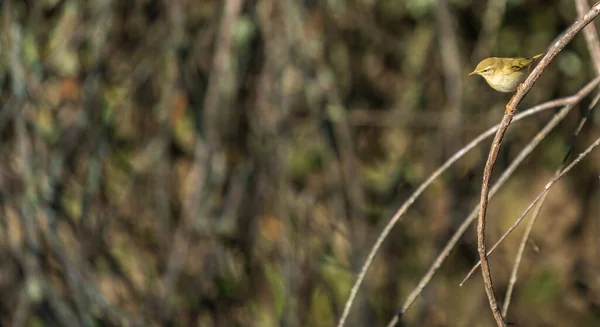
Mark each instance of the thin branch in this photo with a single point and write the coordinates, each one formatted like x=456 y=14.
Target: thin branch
x=511 y=108
x=512 y=228
x=593 y=45
x=503 y=237
x=569 y=102
x=590 y=34
x=557 y=177
x=538 y=209
x=490 y=25
x=398 y=215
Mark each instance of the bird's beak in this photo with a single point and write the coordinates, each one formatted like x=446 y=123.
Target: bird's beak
x=473 y=73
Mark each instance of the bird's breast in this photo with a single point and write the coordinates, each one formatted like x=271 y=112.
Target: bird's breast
x=504 y=83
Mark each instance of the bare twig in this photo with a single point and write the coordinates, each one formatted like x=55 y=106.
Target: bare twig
x=590 y=34
x=514 y=226
x=538 y=209
x=511 y=108
x=593 y=45
x=503 y=237
x=360 y=20
x=557 y=177
x=569 y=103
x=398 y=215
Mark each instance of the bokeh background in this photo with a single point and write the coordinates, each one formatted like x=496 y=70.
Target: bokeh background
x=230 y=163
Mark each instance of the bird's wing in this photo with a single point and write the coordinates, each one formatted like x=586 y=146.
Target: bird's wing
x=521 y=63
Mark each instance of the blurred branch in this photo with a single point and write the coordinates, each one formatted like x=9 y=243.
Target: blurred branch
x=217 y=111
x=590 y=34
x=84 y=291
x=59 y=306
x=554 y=180
x=30 y=292
x=194 y=183
x=23 y=309
x=450 y=56
x=358 y=19
x=216 y=107
x=511 y=108
x=335 y=112
x=490 y=25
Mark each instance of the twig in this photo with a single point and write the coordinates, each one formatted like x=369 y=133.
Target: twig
x=396 y=218
x=538 y=209
x=511 y=108
x=593 y=45
x=570 y=102
x=512 y=228
x=590 y=34
x=503 y=237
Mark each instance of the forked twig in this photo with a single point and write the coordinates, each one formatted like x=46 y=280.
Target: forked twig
x=503 y=237
x=590 y=34
x=556 y=178
x=511 y=108
x=538 y=209
x=593 y=45
x=569 y=103
x=398 y=215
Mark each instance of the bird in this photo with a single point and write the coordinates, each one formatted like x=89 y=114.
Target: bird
x=505 y=74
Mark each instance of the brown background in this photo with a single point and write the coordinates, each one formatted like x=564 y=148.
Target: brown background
x=230 y=163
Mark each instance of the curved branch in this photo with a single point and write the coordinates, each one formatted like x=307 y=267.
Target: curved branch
x=511 y=108
x=398 y=215
x=568 y=102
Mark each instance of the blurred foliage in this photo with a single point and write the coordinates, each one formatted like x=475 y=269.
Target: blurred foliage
x=230 y=163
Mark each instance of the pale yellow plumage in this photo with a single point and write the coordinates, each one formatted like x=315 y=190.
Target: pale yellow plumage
x=504 y=74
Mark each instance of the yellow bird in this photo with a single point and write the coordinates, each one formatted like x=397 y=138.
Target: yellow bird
x=505 y=74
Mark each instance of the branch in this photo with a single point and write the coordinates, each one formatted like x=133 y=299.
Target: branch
x=593 y=45
x=511 y=108
x=590 y=34
x=503 y=237
x=558 y=176
x=569 y=102
x=398 y=215
x=538 y=209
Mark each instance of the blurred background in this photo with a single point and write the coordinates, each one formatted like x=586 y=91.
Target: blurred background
x=230 y=163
